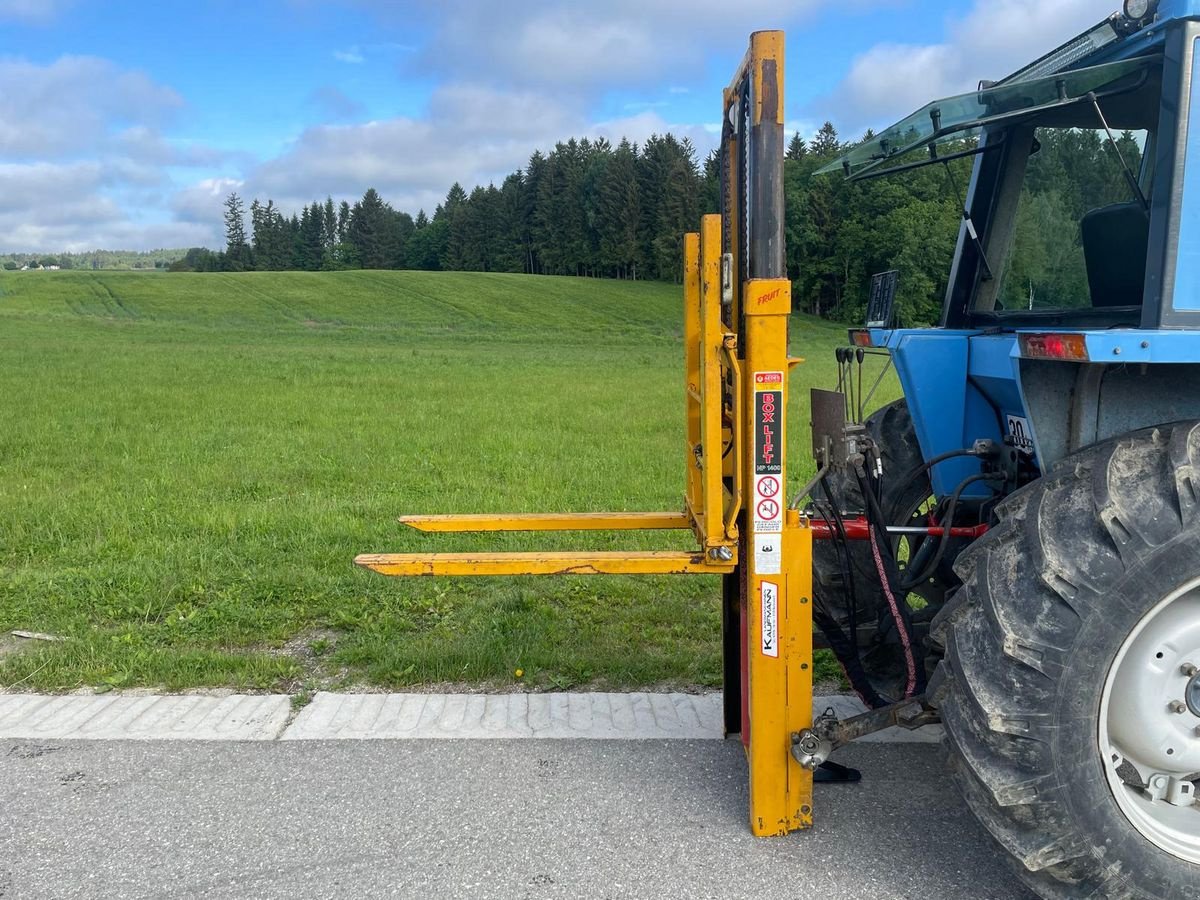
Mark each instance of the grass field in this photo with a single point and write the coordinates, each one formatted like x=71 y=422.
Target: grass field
x=189 y=463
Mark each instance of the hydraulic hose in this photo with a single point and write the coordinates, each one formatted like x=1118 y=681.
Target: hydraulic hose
x=846 y=651
x=928 y=466
x=843 y=647
x=944 y=540
x=845 y=560
x=889 y=578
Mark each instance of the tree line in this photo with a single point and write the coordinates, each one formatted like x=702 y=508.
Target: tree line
x=588 y=208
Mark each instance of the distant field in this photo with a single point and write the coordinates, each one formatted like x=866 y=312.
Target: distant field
x=189 y=463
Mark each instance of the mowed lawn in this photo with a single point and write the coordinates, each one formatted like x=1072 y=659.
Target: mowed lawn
x=189 y=464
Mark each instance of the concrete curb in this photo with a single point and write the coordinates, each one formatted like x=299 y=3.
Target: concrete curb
x=192 y=717
x=111 y=717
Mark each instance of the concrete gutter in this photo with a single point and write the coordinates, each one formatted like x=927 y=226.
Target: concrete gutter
x=331 y=716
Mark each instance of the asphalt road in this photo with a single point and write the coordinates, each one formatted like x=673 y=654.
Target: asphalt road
x=482 y=819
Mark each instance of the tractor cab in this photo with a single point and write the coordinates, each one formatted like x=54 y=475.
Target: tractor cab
x=1075 y=255
x=1071 y=140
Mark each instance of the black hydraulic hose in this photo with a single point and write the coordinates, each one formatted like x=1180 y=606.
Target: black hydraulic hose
x=844 y=558
x=846 y=565
x=928 y=466
x=944 y=540
x=846 y=649
x=920 y=559
x=874 y=465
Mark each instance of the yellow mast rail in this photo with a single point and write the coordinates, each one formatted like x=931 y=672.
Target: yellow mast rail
x=648 y=562
x=597 y=521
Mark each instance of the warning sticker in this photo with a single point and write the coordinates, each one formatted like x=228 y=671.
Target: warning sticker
x=768 y=554
x=768 y=452
x=768 y=486
x=770 y=619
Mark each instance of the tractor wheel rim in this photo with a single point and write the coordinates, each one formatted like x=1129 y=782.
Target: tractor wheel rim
x=1148 y=723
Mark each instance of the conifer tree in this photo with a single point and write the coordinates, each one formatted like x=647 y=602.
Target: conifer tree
x=796 y=148
x=237 y=252
x=826 y=142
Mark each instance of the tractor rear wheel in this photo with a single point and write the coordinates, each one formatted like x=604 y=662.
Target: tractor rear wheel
x=1070 y=690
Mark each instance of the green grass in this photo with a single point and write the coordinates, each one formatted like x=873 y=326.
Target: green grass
x=189 y=463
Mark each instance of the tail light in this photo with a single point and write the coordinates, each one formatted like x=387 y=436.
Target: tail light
x=1054 y=346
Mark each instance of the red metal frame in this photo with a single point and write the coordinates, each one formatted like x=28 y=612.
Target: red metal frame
x=857 y=529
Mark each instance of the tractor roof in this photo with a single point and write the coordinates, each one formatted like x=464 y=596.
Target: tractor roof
x=1111 y=59
x=1056 y=98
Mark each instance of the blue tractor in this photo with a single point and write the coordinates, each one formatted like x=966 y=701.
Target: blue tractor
x=1062 y=648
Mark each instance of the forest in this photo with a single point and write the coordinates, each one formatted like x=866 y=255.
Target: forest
x=588 y=208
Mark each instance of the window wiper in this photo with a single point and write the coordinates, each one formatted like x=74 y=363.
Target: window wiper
x=1112 y=140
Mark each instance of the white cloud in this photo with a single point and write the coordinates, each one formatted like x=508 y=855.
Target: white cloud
x=146 y=146
x=586 y=46
x=514 y=77
x=74 y=105
x=472 y=134
x=50 y=207
x=83 y=159
x=200 y=203
x=637 y=128
x=995 y=38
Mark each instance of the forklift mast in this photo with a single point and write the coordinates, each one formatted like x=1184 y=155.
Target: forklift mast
x=737 y=303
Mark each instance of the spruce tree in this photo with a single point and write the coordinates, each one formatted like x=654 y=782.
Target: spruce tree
x=796 y=148
x=453 y=256
x=237 y=252
x=620 y=213
x=826 y=142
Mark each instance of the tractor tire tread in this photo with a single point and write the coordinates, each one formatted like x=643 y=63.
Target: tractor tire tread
x=1030 y=589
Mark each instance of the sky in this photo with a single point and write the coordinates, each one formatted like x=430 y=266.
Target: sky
x=125 y=123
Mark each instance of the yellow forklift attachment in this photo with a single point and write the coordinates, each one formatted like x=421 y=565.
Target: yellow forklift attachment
x=665 y=521
x=737 y=303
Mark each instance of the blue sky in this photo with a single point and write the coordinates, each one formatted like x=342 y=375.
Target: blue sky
x=124 y=123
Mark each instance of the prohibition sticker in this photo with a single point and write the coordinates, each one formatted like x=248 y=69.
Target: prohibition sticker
x=768 y=509
x=770 y=619
x=768 y=486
